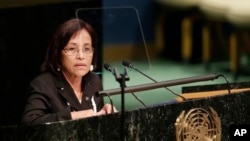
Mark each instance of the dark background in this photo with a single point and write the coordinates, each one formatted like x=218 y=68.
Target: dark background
x=25 y=33
x=24 y=36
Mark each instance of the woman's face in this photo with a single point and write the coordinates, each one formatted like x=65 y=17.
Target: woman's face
x=77 y=54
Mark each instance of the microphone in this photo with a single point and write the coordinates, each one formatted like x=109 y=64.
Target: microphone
x=110 y=69
x=114 y=71
x=129 y=65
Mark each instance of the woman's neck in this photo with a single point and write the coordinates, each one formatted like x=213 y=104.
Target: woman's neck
x=74 y=81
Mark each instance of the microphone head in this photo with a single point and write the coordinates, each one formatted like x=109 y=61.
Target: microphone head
x=127 y=64
x=108 y=67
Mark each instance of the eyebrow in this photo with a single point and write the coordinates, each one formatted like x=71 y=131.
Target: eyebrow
x=87 y=44
x=73 y=43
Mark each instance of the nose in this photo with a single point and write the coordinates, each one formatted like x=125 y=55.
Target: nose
x=80 y=55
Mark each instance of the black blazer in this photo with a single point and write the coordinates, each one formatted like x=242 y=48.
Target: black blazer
x=50 y=98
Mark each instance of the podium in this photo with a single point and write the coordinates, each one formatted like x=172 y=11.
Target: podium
x=208 y=112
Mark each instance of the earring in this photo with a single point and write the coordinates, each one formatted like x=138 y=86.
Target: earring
x=58 y=69
x=91 y=67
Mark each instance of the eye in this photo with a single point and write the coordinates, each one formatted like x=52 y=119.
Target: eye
x=87 y=49
x=71 y=48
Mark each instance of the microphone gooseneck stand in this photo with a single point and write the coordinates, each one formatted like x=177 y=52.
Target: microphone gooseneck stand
x=129 y=65
x=121 y=78
x=110 y=69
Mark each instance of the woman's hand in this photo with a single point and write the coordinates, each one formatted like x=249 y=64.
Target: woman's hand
x=107 y=109
x=83 y=114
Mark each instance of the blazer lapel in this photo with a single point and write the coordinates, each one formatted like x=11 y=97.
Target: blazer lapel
x=65 y=90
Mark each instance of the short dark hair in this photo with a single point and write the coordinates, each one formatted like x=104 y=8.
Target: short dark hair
x=60 y=39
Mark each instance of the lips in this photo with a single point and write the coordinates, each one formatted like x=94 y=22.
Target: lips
x=81 y=65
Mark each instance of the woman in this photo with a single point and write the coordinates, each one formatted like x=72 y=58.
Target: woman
x=66 y=88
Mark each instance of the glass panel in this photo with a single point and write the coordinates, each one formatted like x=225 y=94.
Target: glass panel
x=120 y=39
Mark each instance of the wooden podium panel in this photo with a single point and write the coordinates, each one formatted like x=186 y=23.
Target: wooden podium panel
x=198 y=95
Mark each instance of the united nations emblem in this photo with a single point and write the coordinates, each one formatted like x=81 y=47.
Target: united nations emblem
x=198 y=125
